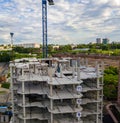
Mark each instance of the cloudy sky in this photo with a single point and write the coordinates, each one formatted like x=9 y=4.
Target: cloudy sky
x=69 y=21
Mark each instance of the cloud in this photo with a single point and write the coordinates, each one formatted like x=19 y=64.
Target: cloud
x=69 y=21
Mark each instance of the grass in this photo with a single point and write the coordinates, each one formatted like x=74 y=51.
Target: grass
x=2 y=92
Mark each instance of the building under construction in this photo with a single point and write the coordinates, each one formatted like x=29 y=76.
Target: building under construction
x=56 y=90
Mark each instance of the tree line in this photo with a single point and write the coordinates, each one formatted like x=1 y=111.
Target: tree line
x=20 y=52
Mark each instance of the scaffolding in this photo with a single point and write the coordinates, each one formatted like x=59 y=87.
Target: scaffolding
x=56 y=91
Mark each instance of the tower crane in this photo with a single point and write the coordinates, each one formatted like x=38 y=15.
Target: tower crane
x=44 y=26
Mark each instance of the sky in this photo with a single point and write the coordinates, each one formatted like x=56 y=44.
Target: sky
x=69 y=21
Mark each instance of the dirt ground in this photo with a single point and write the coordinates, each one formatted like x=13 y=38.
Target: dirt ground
x=107 y=62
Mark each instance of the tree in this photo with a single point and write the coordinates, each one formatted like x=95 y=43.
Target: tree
x=5 y=56
x=110 y=83
x=6 y=85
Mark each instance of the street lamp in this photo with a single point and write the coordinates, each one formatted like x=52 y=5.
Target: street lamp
x=12 y=34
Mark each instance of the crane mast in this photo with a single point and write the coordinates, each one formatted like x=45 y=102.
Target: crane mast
x=44 y=26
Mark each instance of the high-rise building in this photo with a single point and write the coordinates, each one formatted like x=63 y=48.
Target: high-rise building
x=98 y=40
x=56 y=91
x=105 y=41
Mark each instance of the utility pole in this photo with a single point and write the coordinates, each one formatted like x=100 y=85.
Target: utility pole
x=44 y=26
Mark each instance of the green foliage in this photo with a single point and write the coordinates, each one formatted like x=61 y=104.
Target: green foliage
x=8 y=75
x=82 y=46
x=116 y=52
x=21 y=55
x=102 y=49
x=2 y=92
x=65 y=48
x=26 y=50
x=110 y=92
x=5 y=85
x=110 y=82
x=5 y=56
x=105 y=47
x=111 y=70
x=110 y=79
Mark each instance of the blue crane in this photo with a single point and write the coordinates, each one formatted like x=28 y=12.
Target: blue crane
x=44 y=26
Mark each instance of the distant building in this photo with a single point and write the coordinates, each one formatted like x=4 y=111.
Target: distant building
x=1 y=47
x=29 y=45
x=98 y=40
x=73 y=46
x=114 y=42
x=105 y=41
x=56 y=47
x=92 y=42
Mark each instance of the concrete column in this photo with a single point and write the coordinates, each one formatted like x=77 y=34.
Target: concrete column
x=73 y=72
x=51 y=107
x=51 y=90
x=102 y=79
x=102 y=68
x=68 y=65
x=78 y=62
x=78 y=73
x=12 y=95
x=86 y=62
x=51 y=94
x=51 y=118
x=50 y=77
x=78 y=69
x=51 y=104
x=76 y=66
x=50 y=73
x=23 y=96
x=22 y=72
x=97 y=73
x=97 y=116
x=98 y=92
x=61 y=73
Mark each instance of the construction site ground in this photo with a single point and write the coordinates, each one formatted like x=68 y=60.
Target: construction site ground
x=107 y=62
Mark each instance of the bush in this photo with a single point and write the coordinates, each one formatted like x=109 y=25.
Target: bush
x=5 y=85
x=110 y=83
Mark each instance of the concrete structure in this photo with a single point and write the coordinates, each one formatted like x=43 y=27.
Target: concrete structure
x=56 y=91
x=98 y=40
x=29 y=45
x=4 y=118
